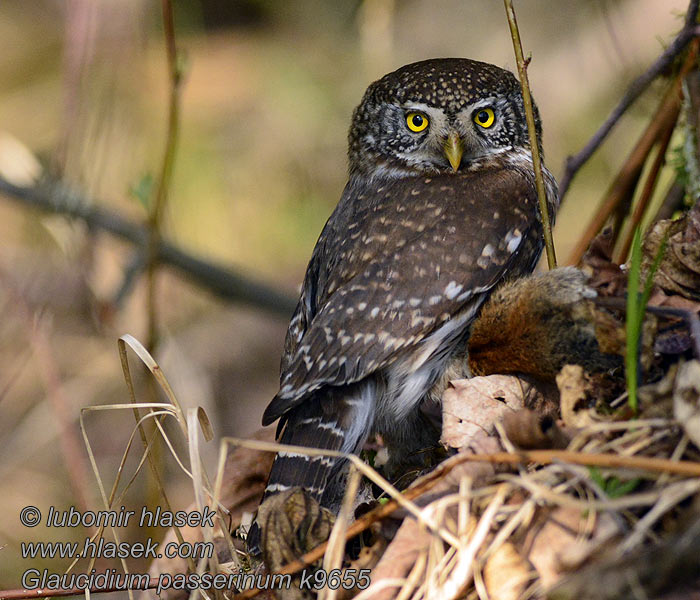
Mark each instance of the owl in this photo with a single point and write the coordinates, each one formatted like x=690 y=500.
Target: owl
x=440 y=208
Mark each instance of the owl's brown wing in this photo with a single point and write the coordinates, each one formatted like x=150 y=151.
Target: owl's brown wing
x=395 y=261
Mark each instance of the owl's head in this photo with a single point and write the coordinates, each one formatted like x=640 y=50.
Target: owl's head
x=436 y=116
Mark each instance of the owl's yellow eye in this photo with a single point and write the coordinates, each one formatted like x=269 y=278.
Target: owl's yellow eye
x=416 y=121
x=484 y=117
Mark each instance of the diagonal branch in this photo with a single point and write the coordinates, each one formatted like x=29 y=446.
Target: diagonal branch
x=218 y=279
x=689 y=31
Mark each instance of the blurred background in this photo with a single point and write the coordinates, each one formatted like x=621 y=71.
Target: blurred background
x=267 y=97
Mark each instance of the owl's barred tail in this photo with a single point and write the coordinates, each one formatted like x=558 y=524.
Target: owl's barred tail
x=335 y=418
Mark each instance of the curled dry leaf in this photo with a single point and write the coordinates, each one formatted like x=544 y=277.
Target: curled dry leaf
x=686 y=399
x=674 y=339
x=292 y=523
x=472 y=406
x=507 y=574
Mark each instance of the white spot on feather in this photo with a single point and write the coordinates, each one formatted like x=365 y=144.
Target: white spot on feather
x=513 y=239
x=453 y=288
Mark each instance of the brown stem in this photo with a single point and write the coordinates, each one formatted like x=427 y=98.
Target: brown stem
x=532 y=132
x=163 y=185
x=623 y=186
x=645 y=197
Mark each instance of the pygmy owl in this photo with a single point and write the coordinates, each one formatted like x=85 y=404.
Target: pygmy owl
x=439 y=209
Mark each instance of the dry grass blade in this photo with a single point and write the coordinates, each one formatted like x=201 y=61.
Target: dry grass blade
x=108 y=501
x=462 y=571
x=370 y=593
x=336 y=542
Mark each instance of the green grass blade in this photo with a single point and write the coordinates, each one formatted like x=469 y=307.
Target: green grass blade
x=633 y=320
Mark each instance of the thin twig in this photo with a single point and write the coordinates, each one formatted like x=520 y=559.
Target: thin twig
x=53 y=197
x=532 y=131
x=52 y=593
x=613 y=461
x=166 y=171
x=638 y=86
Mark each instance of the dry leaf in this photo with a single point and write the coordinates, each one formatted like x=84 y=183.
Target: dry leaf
x=411 y=540
x=292 y=523
x=507 y=574
x=560 y=544
x=471 y=406
x=606 y=276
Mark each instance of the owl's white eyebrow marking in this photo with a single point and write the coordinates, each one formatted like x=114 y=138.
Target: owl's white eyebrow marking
x=491 y=101
x=419 y=106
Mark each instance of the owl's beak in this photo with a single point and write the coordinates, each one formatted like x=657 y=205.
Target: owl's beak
x=454 y=149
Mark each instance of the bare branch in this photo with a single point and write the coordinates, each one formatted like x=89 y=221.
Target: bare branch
x=224 y=282
x=689 y=31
